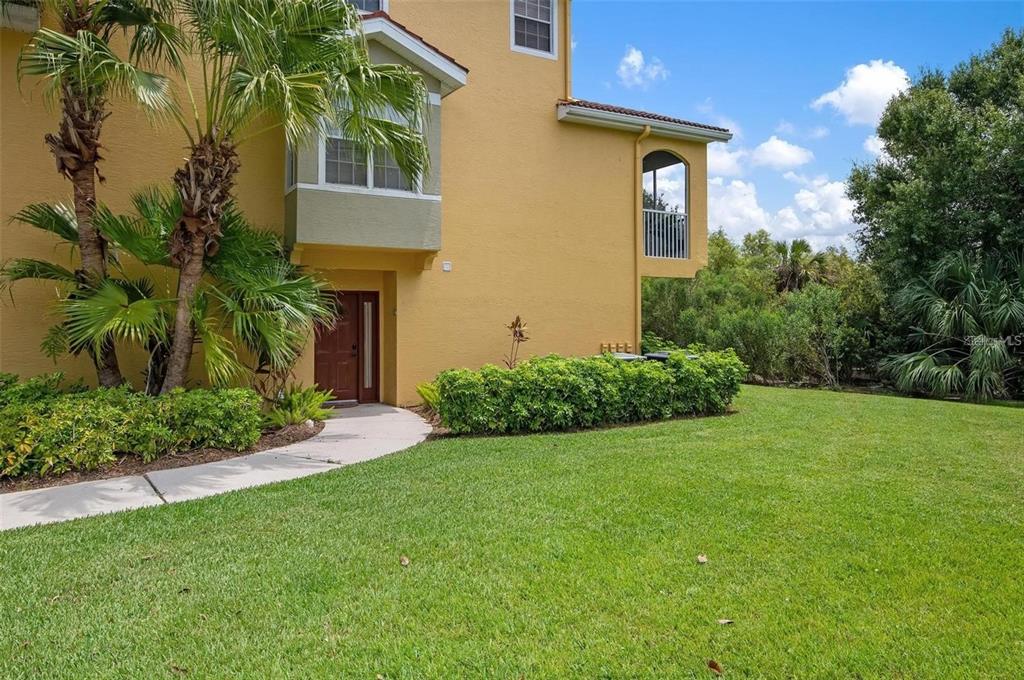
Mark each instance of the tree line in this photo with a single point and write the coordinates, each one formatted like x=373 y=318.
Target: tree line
x=933 y=301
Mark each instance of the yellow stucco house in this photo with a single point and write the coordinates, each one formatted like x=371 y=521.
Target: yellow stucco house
x=532 y=206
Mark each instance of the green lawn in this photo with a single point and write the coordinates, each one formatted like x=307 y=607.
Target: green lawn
x=847 y=535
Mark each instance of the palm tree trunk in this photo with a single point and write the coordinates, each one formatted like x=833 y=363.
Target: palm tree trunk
x=76 y=150
x=183 y=338
x=204 y=184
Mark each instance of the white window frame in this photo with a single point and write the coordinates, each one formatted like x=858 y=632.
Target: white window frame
x=369 y=188
x=553 y=54
x=322 y=184
x=291 y=164
x=384 y=7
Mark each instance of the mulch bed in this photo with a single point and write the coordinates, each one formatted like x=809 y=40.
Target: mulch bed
x=133 y=465
x=432 y=419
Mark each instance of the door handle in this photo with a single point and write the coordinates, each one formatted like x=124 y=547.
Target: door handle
x=355 y=350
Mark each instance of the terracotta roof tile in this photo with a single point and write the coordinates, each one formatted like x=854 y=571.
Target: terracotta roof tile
x=387 y=17
x=610 y=108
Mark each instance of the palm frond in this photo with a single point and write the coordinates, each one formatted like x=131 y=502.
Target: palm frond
x=242 y=247
x=925 y=372
x=160 y=207
x=56 y=218
x=119 y=309
x=143 y=239
x=967 y=310
x=220 y=360
x=154 y=38
x=273 y=309
x=23 y=268
x=86 y=63
x=304 y=65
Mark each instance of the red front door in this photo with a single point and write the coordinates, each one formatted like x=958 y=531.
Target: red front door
x=346 y=361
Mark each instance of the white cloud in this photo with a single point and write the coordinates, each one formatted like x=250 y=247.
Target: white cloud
x=724 y=162
x=785 y=128
x=873 y=145
x=789 y=129
x=862 y=96
x=779 y=154
x=820 y=211
x=636 y=71
x=733 y=206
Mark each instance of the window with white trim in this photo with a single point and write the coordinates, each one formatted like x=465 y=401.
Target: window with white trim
x=387 y=174
x=368 y=5
x=533 y=25
x=346 y=163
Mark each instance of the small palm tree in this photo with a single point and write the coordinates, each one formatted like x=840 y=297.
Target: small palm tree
x=297 y=65
x=252 y=297
x=797 y=265
x=970 y=321
x=81 y=73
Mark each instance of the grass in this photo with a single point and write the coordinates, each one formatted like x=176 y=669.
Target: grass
x=847 y=535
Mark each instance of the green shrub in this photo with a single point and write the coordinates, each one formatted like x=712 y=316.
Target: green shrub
x=40 y=387
x=428 y=393
x=297 y=405
x=556 y=393
x=218 y=418
x=43 y=431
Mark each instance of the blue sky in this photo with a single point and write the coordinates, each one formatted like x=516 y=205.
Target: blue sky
x=801 y=83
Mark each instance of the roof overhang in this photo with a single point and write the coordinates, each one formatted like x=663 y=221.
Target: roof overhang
x=571 y=113
x=417 y=51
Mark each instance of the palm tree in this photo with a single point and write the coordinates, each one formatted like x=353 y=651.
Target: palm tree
x=253 y=296
x=81 y=73
x=797 y=265
x=970 y=321
x=297 y=65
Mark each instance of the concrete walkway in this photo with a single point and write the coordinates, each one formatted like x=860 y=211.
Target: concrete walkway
x=351 y=435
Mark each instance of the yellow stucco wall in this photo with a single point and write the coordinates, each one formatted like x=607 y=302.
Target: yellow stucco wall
x=539 y=218
x=137 y=154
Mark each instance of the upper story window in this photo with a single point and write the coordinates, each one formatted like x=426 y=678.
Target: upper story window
x=346 y=163
x=533 y=27
x=387 y=174
x=370 y=5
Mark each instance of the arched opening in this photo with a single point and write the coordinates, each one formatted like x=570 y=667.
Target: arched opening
x=666 y=198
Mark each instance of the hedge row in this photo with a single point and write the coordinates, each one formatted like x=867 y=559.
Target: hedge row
x=44 y=430
x=556 y=393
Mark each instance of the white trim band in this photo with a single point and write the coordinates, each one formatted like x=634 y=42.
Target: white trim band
x=351 y=189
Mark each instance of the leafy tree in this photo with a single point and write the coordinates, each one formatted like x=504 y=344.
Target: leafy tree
x=826 y=333
x=816 y=321
x=81 y=73
x=952 y=175
x=252 y=296
x=759 y=249
x=969 y=313
x=297 y=65
x=723 y=254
